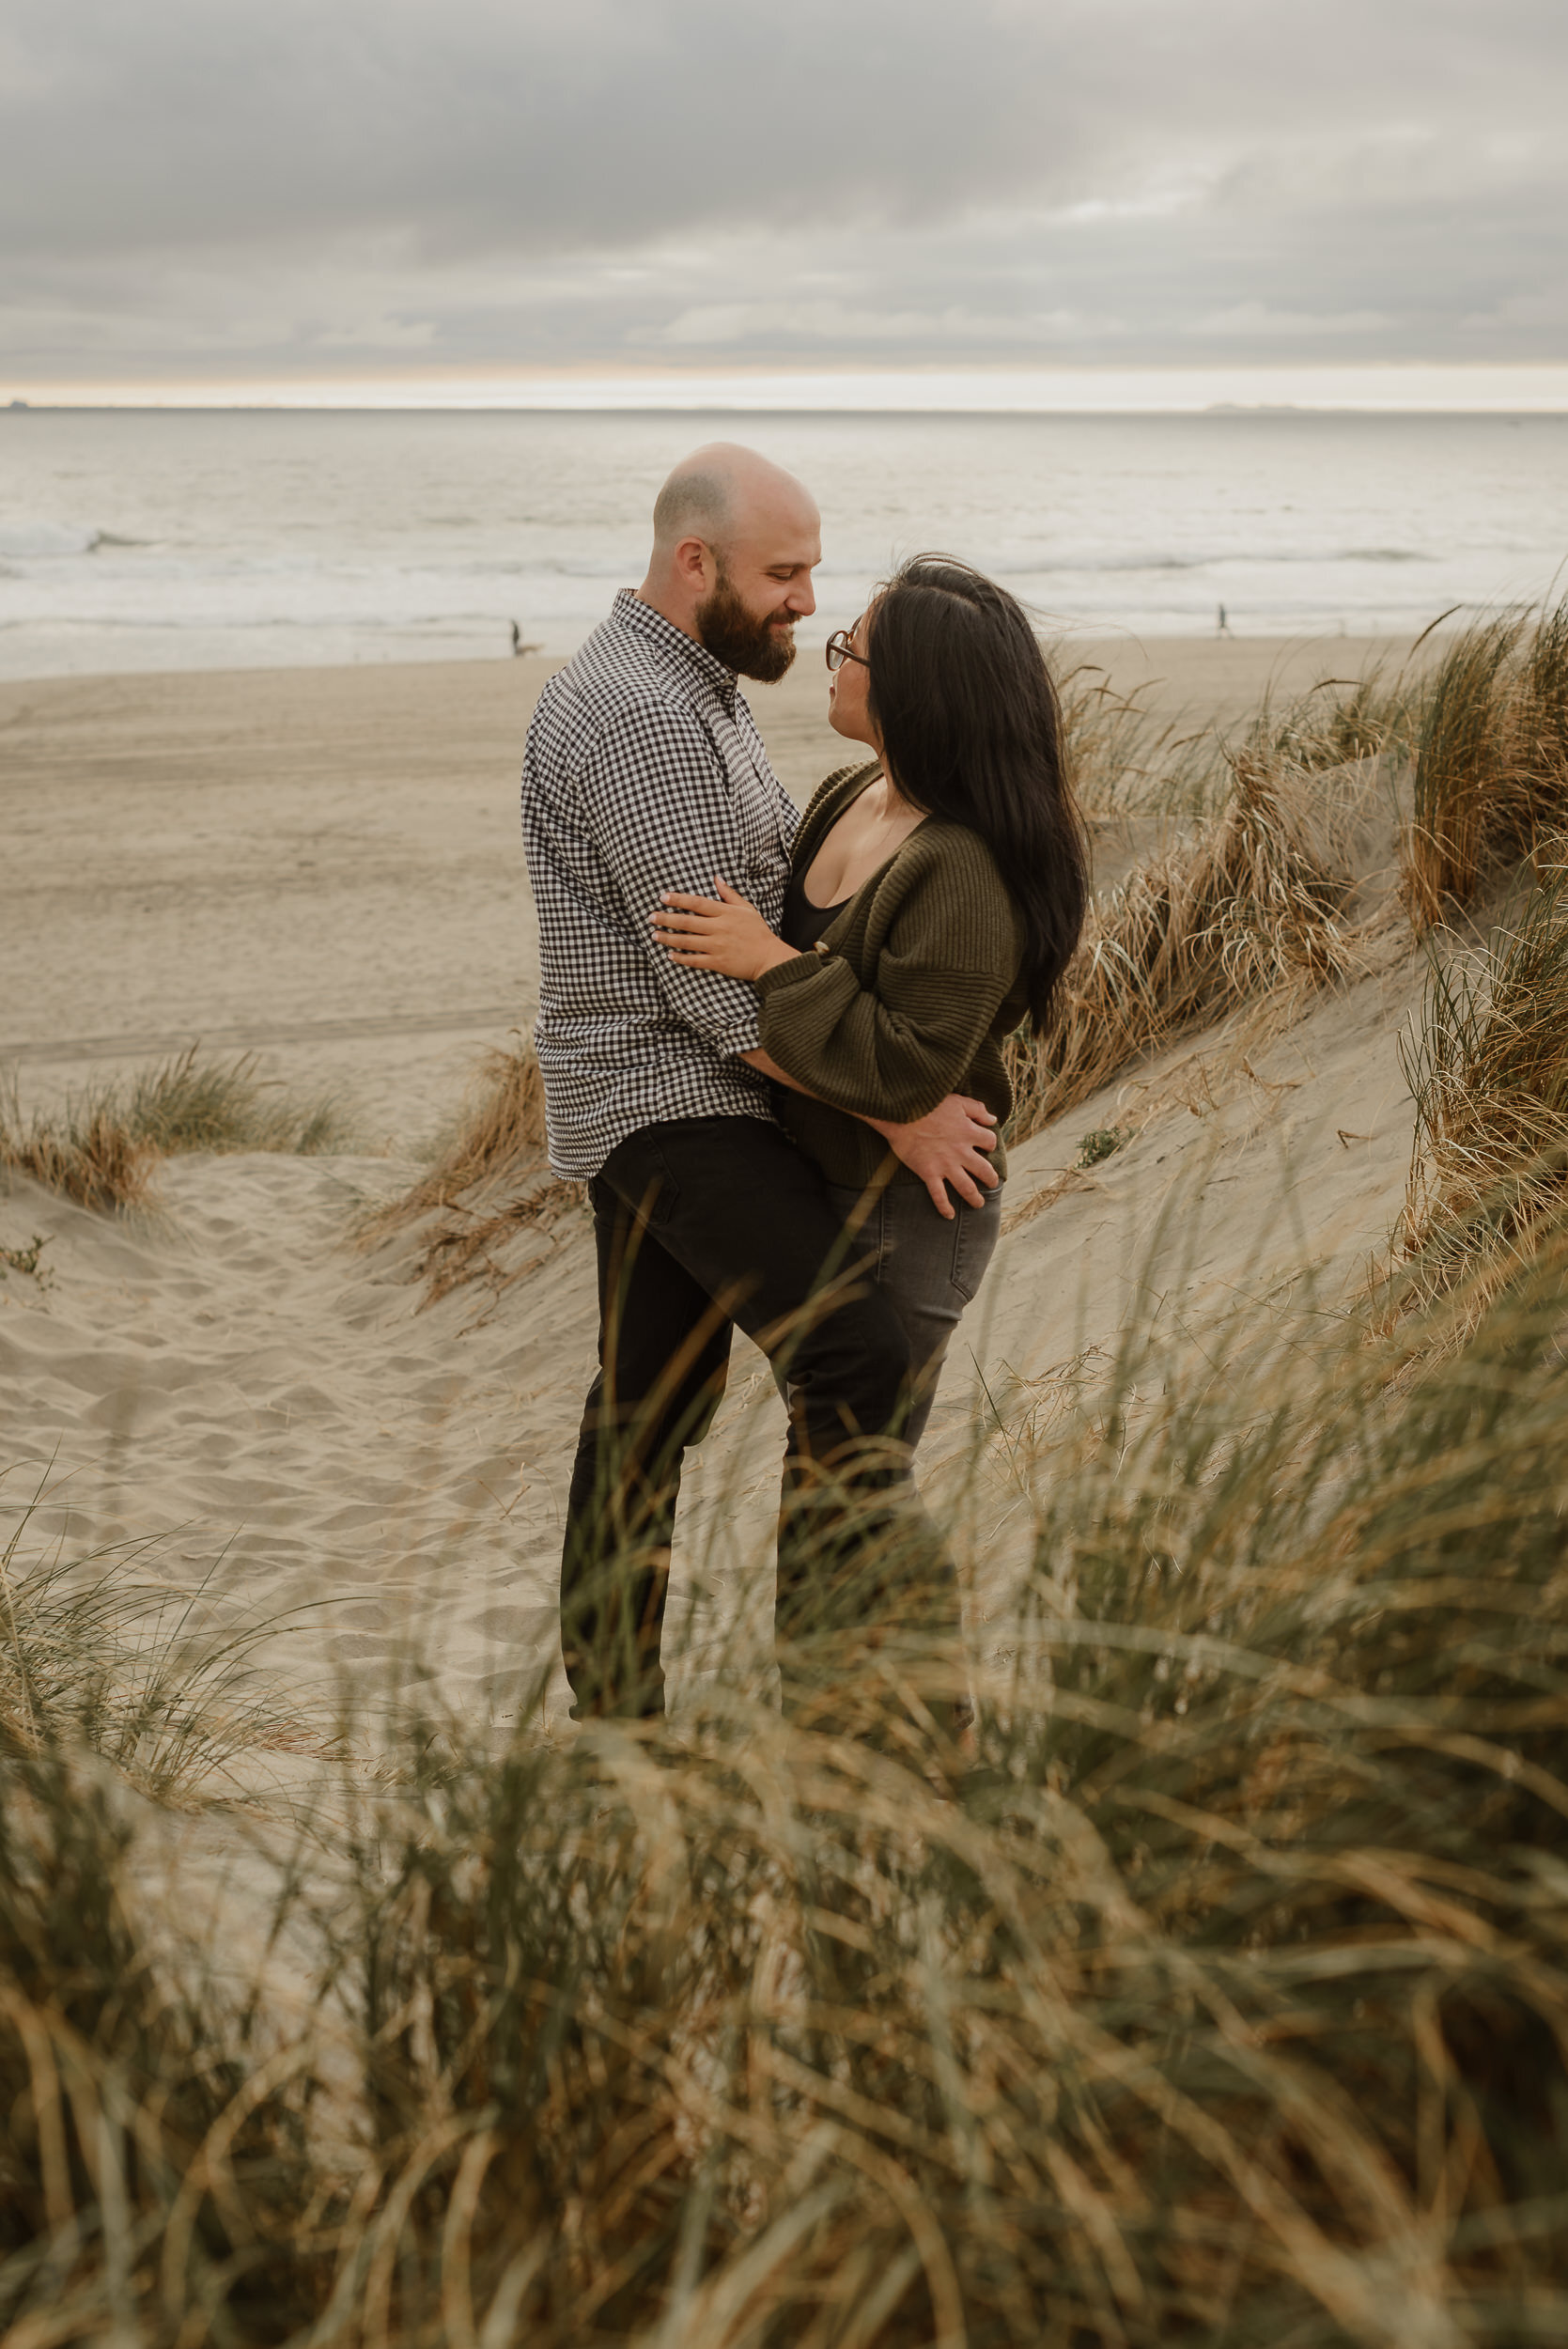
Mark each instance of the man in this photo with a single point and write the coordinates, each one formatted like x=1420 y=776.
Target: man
x=644 y=770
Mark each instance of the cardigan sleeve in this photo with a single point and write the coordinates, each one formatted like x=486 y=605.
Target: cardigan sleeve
x=894 y=1050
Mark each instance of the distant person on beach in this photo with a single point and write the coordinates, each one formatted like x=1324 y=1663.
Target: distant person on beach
x=645 y=768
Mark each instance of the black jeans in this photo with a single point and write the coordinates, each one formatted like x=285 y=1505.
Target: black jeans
x=700 y=1224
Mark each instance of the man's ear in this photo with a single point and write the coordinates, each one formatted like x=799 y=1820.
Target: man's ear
x=693 y=562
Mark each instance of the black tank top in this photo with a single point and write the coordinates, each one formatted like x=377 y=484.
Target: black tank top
x=802 y=924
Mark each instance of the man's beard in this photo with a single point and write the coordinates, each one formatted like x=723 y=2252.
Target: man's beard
x=732 y=634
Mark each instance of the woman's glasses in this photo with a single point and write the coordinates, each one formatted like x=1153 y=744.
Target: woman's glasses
x=838 y=649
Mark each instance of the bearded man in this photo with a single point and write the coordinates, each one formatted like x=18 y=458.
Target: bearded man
x=644 y=772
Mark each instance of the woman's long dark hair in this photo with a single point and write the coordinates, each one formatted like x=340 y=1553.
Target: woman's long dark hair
x=971 y=730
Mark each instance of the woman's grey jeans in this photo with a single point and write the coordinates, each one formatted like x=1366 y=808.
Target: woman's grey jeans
x=927 y=1268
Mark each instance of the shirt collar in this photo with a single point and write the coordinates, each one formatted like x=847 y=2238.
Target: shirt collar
x=629 y=611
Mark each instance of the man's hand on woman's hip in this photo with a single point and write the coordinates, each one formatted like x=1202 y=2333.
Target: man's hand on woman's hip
x=947 y=1145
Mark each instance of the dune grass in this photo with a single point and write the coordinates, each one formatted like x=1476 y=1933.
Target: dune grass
x=488 y=1185
x=1487 y=1067
x=1249 y=904
x=106 y=1652
x=1221 y=1995
x=1127 y=760
x=499 y=1137
x=103 y=1146
x=1491 y=769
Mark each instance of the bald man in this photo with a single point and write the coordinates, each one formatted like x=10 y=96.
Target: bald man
x=644 y=772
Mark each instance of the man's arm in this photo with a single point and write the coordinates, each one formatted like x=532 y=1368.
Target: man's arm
x=657 y=801
x=946 y=1145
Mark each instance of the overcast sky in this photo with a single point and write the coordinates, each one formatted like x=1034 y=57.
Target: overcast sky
x=210 y=189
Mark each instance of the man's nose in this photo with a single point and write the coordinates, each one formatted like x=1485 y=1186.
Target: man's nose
x=802 y=600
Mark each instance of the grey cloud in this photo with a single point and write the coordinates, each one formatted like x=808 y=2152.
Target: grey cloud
x=319 y=183
x=522 y=124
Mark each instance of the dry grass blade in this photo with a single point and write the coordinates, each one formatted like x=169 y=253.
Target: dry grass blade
x=500 y=1139
x=470 y=1245
x=1249 y=905
x=488 y=1188
x=1492 y=759
x=1488 y=1070
x=103 y=1146
x=88 y=1154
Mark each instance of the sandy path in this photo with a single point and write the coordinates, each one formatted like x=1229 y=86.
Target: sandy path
x=323 y=865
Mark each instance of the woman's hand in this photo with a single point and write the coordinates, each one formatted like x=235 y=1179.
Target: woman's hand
x=727 y=934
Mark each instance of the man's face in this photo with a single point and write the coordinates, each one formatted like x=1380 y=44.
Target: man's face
x=763 y=587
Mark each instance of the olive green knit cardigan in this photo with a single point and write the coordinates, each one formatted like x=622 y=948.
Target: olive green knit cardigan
x=906 y=998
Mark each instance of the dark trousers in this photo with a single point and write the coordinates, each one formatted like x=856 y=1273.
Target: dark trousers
x=700 y=1224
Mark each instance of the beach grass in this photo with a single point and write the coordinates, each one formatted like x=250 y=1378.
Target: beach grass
x=101 y=1148
x=1487 y=1068
x=1127 y=760
x=1249 y=903
x=108 y=1650
x=1244 y=900
x=1491 y=758
x=498 y=1138
x=487 y=1189
x=1221 y=1993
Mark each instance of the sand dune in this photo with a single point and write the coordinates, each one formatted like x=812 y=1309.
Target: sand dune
x=324 y=867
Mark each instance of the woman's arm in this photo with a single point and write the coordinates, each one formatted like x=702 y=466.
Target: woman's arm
x=947 y=1145
x=892 y=1051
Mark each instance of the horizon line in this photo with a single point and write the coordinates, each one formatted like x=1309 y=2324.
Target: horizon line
x=1391 y=387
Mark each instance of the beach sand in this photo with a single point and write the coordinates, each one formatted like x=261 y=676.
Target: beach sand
x=323 y=868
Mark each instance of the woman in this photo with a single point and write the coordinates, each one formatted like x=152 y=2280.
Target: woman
x=936 y=896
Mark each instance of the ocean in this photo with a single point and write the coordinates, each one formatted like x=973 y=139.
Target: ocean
x=169 y=540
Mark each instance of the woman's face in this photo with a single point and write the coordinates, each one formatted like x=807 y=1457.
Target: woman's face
x=847 y=693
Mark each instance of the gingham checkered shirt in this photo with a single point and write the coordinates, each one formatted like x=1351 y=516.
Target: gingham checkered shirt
x=643 y=771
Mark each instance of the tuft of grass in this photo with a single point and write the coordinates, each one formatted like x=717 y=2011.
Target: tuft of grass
x=1249 y=905
x=469 y=1245
x=1124 y=759
x=1101 y=1142
x=1467 y=799
x=489 y=1186
x=1337 y=723
x=1491 y=774
x=28 y=1260
x=499 y=1140
x=1487 y=1067
x=86 y=1152
x=189 y=1104
x=100 y=1653
x=102 y=1147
